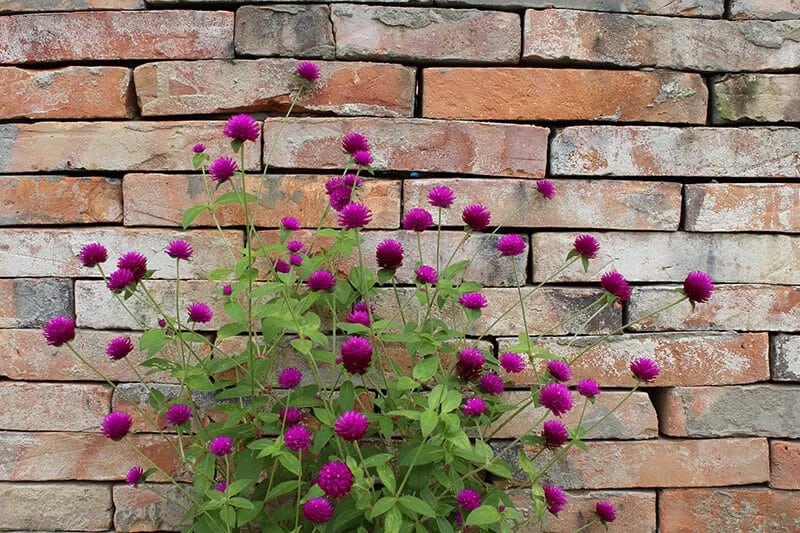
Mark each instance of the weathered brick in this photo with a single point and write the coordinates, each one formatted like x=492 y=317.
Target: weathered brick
x=665 y=151
x=644 y=256
x=639 y=205
x=160 y=200
x=668 y=42
x=62 y=93
x=403 y=33
x=729 y=509
x=160 y=508
x=67 y=5
x=785 y=357
x=29 y=303
x=55 y=506
x=133 y=398
x=756 y=97
x=41 y=406
x=190 y=87
x=98 y=35
x=765 y=9
x=285 y=30
x=739 y=307
x=414 y=145
x=636 y=511
x=684 y=8
x=763 y=410
x=111 y=145
x=51 y=456
x=25 y=356
x=784 y=464
x=685 y=359
x=766 y=207
x=53 y=252
x=563 y=94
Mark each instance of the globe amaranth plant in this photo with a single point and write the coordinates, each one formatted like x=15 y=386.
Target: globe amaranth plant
x=347 y=397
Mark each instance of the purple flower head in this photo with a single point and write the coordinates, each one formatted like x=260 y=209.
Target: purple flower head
x=318 y=510
x=295 y=246
x=221 y=446
x=513 y=363
x=546 y=188
x=222 y=486
x=307 y=70
x=362 y=158
x=417 y=219
x=554 y=433
x=290 y=223
x=361 y=305
x=351 y=426
x=586 y=246
x=588 y=388
x=473 y=300
x=615 y=283
x=199 y=312
x=476 y=216
x=179 y=250
x=134 y=476
x=554 y=498
x=199 y=148
x=356 y=354
x=242 y=128
x=339 y=198
x=474 y=406
x=162 y=323
x=297 y=438
x=354 y=216
x=389 y=254
x=559 y=370
x=441 y=196
x=556 y=397
x=333 y=184
x=227 y=290
x=426 y=274
x=511 y=245
x=352 y=181
x=468 y=500
x=295 y=259
x=290 y=416
x=491 y=383
x=698 y=287
x=135 y=262
x=321 y=280
x=59 y=330
x=645 y=369
x=470 y=364
x=116 y=425
x=120 y=280
x=335 y=478
x=118 y=348
x=178 y=414
x=606 y=511
x=222 y=168
x=93 y=254
x=282 y=266
x=353 y=142
x=358 y=317
x=289 y=378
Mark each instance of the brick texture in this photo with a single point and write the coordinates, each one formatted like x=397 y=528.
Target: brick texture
x=784 y=464
x=756 y=98
x=685 y=8
x=765 y=9
x=26 y=303
x=67 y=5
x=40 y=406
x=55 y=506
x=785 y=357
x=763 y=207
x=285 y=30
x=158 y=509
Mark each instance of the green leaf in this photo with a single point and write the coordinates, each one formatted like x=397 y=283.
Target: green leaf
x=386 y=475
x=290 y=463
x=385 y=275
x=324 y=416
x=283 y=488
x=241 y=503
x=192 y=213
x=156 y=400
x=230 y=330
x=451 y=402
x=426 y=369
x=347 y=395
x=435 y=397
x=483 y=516
x=382 y=506
x=405 y=383
x=238 y=486
x=235 y=311
x=219 y=274
x=428 y=421
x=303 y=346
x=375 y=460
x=393 y=521
x=417 y=505
x=455 y=268
x=526 y=464
x=152 y=341
x=234 y=197
x=499 y=467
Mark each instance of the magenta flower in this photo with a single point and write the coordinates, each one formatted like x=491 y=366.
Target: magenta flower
x=335 y=478
x=351 y=426
x=282 y=266
x=546 y=188
x=362 y=158
x=470 y=364
x=468 y=500
x=93 y=254
x=554 y=433
x=242 y=128
x=199 y=312
x=354 y=142
x=556 y=397
x=559 y=370
x=290 y=223
x=135 y=476
x=178 y=414
x=361 y=305
x=511 y=245
x=476 y=216
x=162 y=323
x=491 y=383
x=586 y=246
x=473 y=300
x=199 y=148
x=222 y=486
x=59 y=330
x=290 y=415
x=474 y=406
x=352 y=181
x=554 y=498
x=295 y=246
x=221 y=446
x=135 y=262
x=513 y=363
x=116 y=425
x=426 y=274
x=179 y=250
x=222 y=168
x=615 y=284
x=606 y=511
x=297 y=438
x=340 y=195
x=289 y=378
x=354 y=215
x=120 y=279
x=308 y=71
x=295 y=259
x=645 y=369
x=227 y=290
x=588 y=388
x=318 y=510
x=321 y=280
x=389 y=254
x=698 y=287
x=441 y=196
x=417 y=219
x=358 y=317
x=356 y=354
x=118 y=348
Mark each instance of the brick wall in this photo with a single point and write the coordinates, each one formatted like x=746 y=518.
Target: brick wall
x=669 y=128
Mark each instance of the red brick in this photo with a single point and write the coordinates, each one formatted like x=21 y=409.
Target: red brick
x=664 y=151
x=62 y=93
x=668 y=42
x=756 y=97
x=402 y=33
x=111 y=145
x=160 y=200
x=55 y=506
x=563 y=94
x=682 y=8
x=26 y=303
x=28 y=200
x=40 y=406
x=765 y=9
x=414 y=145
x=67 y=5
x=784 y=464
x=729 y=509
x=192 y=87
x=764 y=207
x=112 y=35
x=159 y=508
x=285 y=30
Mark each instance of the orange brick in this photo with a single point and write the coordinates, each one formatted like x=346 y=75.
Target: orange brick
x=681 y=8
x=40 y=406
x=55 y=506
x=40 y=200
x=67 y=5
x=767 y=207
x=784 y=464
